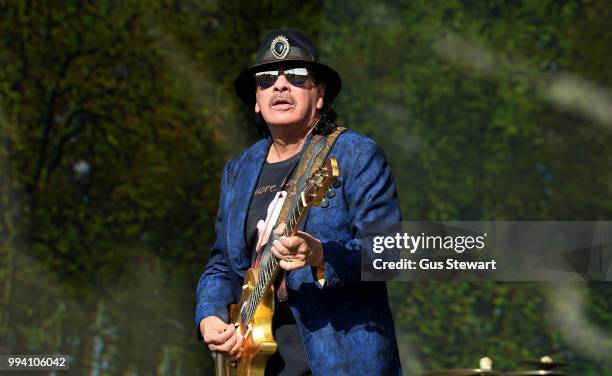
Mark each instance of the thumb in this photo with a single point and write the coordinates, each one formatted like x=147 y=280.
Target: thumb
x=304 y=235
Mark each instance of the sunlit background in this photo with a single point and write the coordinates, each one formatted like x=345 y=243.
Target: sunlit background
x=116 y=118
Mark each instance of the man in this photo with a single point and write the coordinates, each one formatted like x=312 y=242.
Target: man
x=329 y=326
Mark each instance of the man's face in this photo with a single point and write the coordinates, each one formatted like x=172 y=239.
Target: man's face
x=292 y=97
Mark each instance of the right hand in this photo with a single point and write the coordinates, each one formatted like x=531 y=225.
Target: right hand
x=222 y=338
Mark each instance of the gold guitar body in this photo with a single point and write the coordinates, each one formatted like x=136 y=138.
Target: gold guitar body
x=259 y=343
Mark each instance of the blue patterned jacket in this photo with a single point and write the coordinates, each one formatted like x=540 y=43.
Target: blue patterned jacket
x=345 y=324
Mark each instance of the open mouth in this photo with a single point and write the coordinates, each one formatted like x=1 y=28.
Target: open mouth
x=281 y=103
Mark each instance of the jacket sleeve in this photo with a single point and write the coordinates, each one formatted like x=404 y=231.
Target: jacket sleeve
x=372 y=197
x=214 y=294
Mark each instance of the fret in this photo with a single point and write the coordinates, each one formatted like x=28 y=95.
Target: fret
x=269 y=263
x=292 y=221
x=299 y=208
x=249 y=311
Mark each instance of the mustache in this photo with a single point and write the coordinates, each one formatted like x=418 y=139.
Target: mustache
x=281 y=97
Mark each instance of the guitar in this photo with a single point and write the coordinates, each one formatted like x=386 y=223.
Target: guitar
x=253 y=313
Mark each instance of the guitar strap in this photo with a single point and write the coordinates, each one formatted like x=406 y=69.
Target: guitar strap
x=312 y=159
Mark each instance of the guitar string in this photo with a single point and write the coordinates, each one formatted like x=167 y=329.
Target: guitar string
x=283 y=184
x=270 y=266
x=268 y=270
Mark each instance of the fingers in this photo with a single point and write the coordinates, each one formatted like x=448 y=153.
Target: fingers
x=314 y=252
x=288 y=241
x=305 y=236
x=291 y=252
x=281 y=251
x=214 y=337
x=287 y=260
x=297 y=251
x=236 y=352
x=225 y=348
x=284 y=254
x=224 y=339
x=212 y=324
x=291 y=242
x=289 y=246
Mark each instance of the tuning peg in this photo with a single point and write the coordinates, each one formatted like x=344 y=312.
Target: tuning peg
x=337 y=183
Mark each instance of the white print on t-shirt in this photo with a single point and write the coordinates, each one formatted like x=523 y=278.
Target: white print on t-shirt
x=265 y=227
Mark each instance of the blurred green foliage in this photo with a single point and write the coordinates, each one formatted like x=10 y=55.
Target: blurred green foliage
x=117 y=117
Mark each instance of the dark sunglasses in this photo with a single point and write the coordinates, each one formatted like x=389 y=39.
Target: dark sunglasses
x=297 y=76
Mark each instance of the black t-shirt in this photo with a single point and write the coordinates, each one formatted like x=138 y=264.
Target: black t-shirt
x=290 y=357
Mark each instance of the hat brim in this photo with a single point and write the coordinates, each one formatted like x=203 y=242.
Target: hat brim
x=245 y=82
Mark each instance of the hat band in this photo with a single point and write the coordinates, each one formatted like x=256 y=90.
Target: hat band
x=295 y=53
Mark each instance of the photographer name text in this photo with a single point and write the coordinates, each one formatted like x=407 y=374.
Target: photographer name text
x=415 y=243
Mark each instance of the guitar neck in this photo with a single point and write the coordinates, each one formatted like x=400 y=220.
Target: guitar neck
x=269 y=266
x=312 y=194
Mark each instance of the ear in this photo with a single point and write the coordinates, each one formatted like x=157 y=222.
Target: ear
x=257 y=110
x=321 y=93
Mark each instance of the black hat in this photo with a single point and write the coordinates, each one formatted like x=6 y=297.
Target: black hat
x=282 y=45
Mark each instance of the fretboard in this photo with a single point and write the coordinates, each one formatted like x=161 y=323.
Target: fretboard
x=269 y=267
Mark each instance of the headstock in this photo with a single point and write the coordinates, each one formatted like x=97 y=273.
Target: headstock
x=319 y=182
